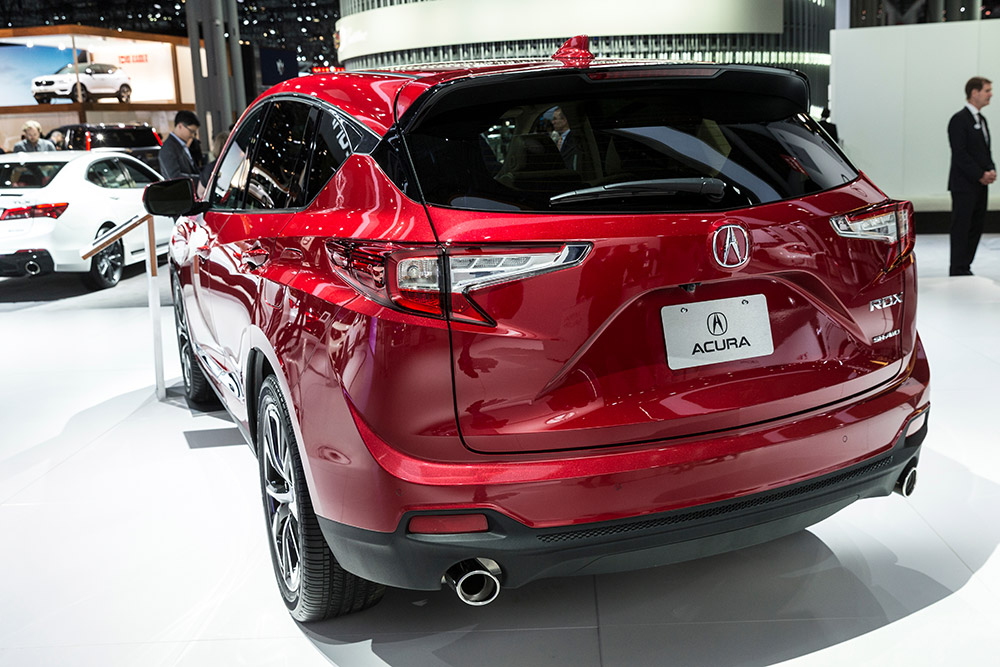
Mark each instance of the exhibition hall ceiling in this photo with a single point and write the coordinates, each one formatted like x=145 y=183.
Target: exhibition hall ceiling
x=304 y=25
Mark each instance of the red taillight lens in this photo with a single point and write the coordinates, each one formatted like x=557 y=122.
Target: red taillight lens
x=891 y=223
x=435 y=282
x=372 y=269
x=37 y=211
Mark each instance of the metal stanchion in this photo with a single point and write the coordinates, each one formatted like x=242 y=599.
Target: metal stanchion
x=154 y=308
x=109 y=237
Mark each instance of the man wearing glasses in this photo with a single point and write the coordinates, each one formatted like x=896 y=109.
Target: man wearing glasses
x=175 y=155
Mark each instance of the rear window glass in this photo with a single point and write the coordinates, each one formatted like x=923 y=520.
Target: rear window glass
x=27 y=175
x=115 y=138
x=621 y=149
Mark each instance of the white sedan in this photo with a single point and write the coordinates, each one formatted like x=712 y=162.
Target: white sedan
x=54 y=204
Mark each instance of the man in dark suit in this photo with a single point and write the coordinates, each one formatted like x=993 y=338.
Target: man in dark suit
x=176 y=160
x=566 y=140
x=831 y=128
x=972 y=171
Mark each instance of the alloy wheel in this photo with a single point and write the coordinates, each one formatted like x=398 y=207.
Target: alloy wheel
x=110 y=262
x=180 y=325
x=283 y=511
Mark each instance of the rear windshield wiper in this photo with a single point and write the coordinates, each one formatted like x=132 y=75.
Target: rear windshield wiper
x=713 y=188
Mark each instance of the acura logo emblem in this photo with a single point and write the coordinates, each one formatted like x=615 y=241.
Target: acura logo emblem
x=731 y=245
x=717 y=324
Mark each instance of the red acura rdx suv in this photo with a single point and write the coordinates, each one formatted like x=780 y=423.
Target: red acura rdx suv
x=487 y=324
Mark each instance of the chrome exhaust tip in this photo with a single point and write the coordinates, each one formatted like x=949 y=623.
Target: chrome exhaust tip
x=32 y=268
x=476 y=581
x=907 y=482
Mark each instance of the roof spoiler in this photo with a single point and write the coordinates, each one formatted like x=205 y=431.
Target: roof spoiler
x=575 y=52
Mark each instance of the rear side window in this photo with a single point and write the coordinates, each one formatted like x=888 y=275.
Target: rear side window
x=107 y=174
x=140 y=174
x=278 y=171
x=333 y=147
x=234 y=165
x=27 y=175
x=631 y=147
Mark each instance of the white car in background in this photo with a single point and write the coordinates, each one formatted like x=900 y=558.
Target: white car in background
x=95 y=80
x=54 y=204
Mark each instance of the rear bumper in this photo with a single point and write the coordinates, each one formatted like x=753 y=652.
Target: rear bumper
x=28 y=263
x=406 y=560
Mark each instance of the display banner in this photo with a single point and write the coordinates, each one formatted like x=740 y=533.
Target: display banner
x=19 y=64
x=149 y=66
x=145 y=66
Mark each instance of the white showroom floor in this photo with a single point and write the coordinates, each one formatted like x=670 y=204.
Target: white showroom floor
x=131 y=533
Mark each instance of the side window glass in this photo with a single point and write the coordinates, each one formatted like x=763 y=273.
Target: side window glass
x=234 y=166
x=333 y=146
x=273 y=173
x=298 y=195
x=140 y=175
x=107 y=175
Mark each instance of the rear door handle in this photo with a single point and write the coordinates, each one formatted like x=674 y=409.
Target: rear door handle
x=254 y=258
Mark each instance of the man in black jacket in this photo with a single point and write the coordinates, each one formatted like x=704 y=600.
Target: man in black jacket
x=176 y=160
x=972 y=171
x=565 y=139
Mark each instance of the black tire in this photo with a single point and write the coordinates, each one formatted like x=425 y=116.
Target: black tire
x=106 y=266
x=43 y=99
x=313 y=584
x=124 y=94
x=86 y=94
x=196 y=388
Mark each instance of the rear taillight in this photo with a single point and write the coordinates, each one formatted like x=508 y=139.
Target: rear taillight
x=37 y=211
x=889 y=223
x=439 y=282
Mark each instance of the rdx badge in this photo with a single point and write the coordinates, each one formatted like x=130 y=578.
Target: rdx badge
x=885 y=302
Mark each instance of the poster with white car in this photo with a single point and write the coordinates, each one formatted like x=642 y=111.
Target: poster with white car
x=33 y=73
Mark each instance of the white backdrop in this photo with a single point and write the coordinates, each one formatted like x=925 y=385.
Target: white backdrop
x=892 y=91
x=426 y=24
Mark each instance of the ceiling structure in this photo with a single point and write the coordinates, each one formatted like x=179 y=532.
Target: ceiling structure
x=305 y=26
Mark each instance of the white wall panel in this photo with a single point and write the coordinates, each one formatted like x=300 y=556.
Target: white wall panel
x=893 y=90
x=940 y=58
x=444 y=22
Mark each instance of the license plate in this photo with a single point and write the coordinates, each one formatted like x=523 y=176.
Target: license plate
x=711 y=332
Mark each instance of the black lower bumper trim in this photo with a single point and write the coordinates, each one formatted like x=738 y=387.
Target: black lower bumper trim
x=28 y=263
x=406 y=560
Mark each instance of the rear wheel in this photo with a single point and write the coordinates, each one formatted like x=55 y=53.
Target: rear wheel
x=106 y=266
x=124 y=94
x=196 y=387
x=312 y=583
